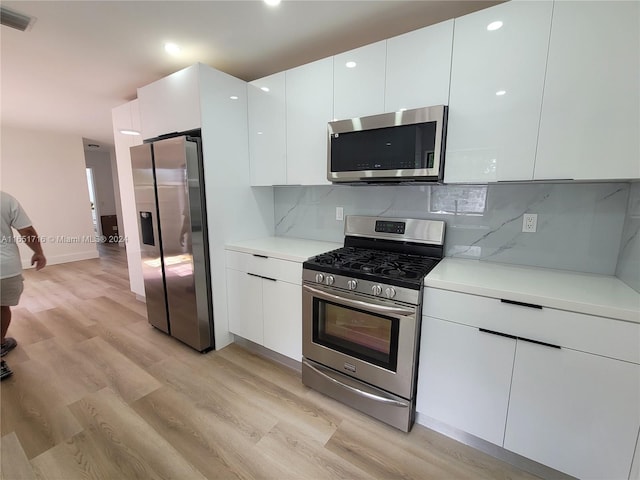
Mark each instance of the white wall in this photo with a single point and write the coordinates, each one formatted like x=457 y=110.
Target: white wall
x=127 y=117
x=45 y=171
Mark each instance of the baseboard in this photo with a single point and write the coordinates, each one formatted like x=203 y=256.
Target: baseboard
x=489 y=448
x=64 y=258
x=270 y=354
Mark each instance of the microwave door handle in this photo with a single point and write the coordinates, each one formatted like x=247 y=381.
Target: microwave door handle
x=381 y=309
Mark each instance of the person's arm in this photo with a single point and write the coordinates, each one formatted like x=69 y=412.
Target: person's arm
x=30 y=237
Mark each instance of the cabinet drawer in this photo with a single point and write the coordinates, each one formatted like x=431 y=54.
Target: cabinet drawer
x=264 y=266
x=587 y=333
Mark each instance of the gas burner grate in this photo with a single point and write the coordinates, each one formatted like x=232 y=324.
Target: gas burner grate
x=381 y=264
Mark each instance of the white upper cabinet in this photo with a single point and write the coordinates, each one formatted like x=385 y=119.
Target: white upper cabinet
x=171 y=104
x=497 y=77
x=591 y=108
x=267 y=130
x=359 y=78
x=309 y=107
x=419 y=68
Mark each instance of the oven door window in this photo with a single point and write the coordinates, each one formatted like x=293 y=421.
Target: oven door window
x=372 y=338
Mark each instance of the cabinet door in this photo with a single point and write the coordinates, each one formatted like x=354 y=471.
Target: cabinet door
x=171 y=104
x=635 y=468
x=418 y=68
x=464 y=377
x=359 y=81
x=573 y=411
x=590 y=125
x=244 y=297
x=267 y=149
x=309 y=109
x=497 y=80
x=283 y=318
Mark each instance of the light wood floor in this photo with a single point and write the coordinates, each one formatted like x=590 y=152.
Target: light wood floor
x=99 y=394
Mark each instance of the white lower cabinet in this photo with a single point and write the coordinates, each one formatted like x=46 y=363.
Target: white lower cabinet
x=635 y=468
x=465 y=376
x=244 y=293
x=560 y=388
x=573 y=411
x=282 y=304
x=264 y=296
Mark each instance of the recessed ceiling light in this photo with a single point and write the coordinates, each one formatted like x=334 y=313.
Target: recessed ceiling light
x=494 y=25
x=499 y=93
x=264 y=89
x=171 y=48
x=350 y=64
x=259 y=133
x=272 y=3
x=233 y=97
x=130 y=132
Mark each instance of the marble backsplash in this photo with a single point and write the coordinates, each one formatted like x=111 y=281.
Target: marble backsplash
x=581 y=227
x=629 y=259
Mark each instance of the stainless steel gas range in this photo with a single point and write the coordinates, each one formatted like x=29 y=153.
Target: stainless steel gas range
x=361 y=310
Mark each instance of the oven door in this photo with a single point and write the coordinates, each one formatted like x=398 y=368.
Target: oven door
x=372 y=340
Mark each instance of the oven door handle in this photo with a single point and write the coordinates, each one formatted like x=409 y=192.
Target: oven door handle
x=382 y=309
x=357 y=391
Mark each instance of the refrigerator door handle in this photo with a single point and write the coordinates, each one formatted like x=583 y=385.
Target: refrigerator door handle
x=146 y=228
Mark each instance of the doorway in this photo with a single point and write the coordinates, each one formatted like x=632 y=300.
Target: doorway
x=94 y=204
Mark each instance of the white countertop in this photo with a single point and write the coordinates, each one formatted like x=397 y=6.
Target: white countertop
x=284 y=248
x=601 y=295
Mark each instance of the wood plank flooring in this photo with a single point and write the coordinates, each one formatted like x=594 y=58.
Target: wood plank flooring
x=97 y=393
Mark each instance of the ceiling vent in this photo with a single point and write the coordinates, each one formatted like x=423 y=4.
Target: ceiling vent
x=15 y=20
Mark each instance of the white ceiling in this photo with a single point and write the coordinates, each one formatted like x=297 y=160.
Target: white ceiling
x=79 y=59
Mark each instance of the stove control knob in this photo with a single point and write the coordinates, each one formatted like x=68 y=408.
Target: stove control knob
x=329 y=280
x=376 y=289
x=352 y=284
x=319 y=277
x=390 y=292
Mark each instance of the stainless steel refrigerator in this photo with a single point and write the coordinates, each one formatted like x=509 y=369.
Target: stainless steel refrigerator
x=171 y=208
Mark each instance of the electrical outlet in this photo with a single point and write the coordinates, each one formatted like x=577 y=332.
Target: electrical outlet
x=529 y=222
x=339 y=213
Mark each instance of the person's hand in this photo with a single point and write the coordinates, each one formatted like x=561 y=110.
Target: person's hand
x=39 y=261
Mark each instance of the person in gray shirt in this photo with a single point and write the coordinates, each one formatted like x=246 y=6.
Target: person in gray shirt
x=13 y=217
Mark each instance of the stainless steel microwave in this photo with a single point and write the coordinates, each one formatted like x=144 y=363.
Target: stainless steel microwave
x=392 y=147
